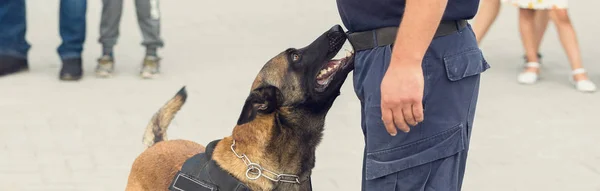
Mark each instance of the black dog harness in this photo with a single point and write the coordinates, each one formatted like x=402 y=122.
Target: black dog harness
x=201 y=173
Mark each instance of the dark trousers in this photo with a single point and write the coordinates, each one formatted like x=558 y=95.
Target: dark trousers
x=433 y=155
x=13 y=26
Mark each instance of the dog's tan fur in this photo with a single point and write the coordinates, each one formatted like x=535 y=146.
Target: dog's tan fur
x=161 y=159
x=156 y=166
x=272 y=131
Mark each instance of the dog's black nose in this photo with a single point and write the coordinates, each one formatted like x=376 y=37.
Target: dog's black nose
x=336 y=36
x=336 y=28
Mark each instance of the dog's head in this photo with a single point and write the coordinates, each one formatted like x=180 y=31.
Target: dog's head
x=296 y=88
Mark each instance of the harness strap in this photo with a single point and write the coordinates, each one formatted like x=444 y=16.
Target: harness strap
x=200 y=173
x=385 y=36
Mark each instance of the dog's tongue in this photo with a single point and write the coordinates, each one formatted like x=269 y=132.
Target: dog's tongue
x=323 y=81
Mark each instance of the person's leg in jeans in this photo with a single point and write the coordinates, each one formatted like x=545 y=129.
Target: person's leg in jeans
x=148 y=14
x=13 y=46
x=72 y=31
x=109 y=33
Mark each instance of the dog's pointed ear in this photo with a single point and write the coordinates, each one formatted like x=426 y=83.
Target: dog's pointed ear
x=261 y=100
x=248 y=112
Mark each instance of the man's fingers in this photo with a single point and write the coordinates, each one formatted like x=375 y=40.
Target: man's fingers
x=388 y=121
x=417 y=110
x=399 y=120
x=407 y=111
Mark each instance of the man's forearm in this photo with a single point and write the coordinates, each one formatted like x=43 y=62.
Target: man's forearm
x=420 y=21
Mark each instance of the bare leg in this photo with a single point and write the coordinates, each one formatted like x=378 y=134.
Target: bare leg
x=528 y=38
x=526 y=26
x=541 y=18
x=568 y=40
x=485 y=18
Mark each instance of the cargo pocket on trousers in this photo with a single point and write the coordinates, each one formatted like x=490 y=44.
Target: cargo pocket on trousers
x=429 y=149
x=465 y=64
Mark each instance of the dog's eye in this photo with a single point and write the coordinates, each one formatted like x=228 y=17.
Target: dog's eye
x=295 y=57
x=262 y=106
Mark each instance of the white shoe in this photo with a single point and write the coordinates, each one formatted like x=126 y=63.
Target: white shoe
x=583 y=85
x=529 y=77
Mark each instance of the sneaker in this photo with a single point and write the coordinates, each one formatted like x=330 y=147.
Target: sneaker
x=71 y=69
x=105 y=66
x=150 y=67
x=11 y=64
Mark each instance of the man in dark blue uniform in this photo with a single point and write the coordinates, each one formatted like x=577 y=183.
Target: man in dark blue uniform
x=417 y=69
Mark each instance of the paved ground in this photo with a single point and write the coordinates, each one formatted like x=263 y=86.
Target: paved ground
x=84 y=136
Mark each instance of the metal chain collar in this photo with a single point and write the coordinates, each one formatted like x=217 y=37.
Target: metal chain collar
x=255 y=171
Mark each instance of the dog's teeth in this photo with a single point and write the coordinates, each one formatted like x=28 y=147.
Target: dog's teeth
x=323 y=71
x=336 y=65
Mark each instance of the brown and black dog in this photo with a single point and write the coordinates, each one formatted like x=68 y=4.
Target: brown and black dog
x=279 y=128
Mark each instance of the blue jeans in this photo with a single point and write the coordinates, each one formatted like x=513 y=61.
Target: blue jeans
x=432 y=156
x=13 y=26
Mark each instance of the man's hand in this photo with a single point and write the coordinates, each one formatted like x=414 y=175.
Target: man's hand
x=402 y=85
x=401 y=95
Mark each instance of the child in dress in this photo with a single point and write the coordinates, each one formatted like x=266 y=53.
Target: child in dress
x=488 y=11
x=559 y=15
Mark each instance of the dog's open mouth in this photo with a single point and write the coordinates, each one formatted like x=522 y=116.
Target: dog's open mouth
x=329 y=70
